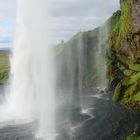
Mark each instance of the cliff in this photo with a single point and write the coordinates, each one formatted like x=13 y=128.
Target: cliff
x=74 y=60
x=124 y=55
x=77 y=59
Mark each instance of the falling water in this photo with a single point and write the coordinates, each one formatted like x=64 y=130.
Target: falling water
x=32 y=89
x=100 y=57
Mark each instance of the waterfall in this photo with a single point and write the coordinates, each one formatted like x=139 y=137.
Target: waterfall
x=100 y=57
x=32 y=84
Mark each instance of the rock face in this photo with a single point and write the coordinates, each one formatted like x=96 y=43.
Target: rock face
x=135 y=12
x=124 y=55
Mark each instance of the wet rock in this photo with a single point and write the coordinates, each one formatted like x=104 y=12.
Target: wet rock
x=127 y=72
x=126 y=50
x=135 y=28
x=135 y=4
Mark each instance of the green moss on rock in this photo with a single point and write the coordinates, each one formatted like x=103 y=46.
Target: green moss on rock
x=117 y=93
x=121 y=25
x=128 y=72
x=133 y=138
x=125 y=22
x=135 y=67
x=135 y=78
x=137 y=96
x=124 y=57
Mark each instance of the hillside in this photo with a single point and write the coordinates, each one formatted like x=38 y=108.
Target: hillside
x=4 y=66
x=77 y=58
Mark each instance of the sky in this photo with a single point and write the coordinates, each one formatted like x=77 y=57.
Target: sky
x=65 y=18
x=7 y=22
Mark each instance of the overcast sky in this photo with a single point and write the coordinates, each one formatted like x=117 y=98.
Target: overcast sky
x=66 y=17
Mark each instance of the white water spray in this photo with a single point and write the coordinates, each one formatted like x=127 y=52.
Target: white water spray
x=32 y=90
x=100 y=58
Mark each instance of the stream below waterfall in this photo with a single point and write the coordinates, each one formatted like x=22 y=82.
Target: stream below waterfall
x=99 y=119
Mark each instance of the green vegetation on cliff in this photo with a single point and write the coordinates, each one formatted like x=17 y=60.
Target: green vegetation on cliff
x=133 y=138
x=124 y=57
x=121 y=24
x=124 y=25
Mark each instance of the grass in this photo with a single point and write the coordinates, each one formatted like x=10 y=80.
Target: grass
x=114 y=20
x=125 y=23
x=121 y=24
x=137 y=96
x=4 y=67
x=117 y=93
x=133 y=138
x=134 y=78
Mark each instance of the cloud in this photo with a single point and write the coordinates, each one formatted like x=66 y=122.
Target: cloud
x=62 y=28
x=81 y=8
x=7 y=21
x=7 y=9
x=66 y=17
